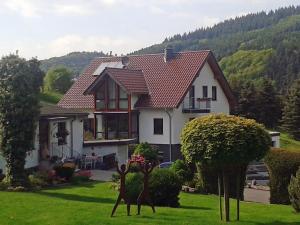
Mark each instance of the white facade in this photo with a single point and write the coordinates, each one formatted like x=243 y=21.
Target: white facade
x=179 y=119
x=32 y=158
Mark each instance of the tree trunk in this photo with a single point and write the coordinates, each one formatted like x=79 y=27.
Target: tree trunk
x=226 y=195
x=238 y=184
x=15 y=172
x=220 y=197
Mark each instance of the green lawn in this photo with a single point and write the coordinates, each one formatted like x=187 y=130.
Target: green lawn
x=289 y=143
x=92 y=204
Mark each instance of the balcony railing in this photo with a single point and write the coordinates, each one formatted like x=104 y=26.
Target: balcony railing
x=196 y=105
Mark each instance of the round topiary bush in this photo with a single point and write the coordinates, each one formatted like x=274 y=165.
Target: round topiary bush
x=227 y=143
x=165 y=187
x=294 y=191
x=224 y=139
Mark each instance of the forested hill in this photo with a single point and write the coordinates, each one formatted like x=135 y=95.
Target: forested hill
x=250 y=46
x=75 y=61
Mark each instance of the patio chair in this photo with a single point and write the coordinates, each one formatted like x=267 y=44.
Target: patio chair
x=88 y=162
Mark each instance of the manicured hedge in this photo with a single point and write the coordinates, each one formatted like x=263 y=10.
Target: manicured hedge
x=281 y=165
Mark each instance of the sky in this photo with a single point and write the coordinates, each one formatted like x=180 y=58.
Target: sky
x=48 y=28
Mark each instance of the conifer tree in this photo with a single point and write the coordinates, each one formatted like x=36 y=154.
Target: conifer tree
x=291 y=111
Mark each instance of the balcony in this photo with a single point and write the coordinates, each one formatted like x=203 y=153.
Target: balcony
x=196 y=105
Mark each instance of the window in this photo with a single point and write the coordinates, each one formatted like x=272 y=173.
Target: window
x=204 y=92
x=192 y=97
x=123 y=99
x=62 y=133
x=100 y=98
x=214 y=93
x=158 y=125
x=111 y=94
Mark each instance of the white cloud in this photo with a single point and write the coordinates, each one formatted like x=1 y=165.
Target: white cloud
x=73 y=42
x=26 y=8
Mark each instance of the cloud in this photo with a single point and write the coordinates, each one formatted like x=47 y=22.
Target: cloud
x=26 y=8
x=74 y=42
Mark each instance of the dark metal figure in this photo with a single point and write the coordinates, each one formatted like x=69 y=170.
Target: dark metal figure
x=144 y=196
x=122 y=194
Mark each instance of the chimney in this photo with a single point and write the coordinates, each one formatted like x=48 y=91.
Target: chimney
x=168 y=53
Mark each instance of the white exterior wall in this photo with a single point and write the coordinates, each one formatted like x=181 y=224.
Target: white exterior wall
x=221 y=105
x=32 y=158
x=146 y=128
x=77 y=136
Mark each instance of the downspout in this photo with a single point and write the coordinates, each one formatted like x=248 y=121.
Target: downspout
x=170 y=133
x=72 y=137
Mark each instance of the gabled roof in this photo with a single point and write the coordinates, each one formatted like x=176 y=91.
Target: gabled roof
x=167 y=82
x=132 y=81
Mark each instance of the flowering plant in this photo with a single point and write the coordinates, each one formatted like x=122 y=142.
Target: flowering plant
x=138 y=159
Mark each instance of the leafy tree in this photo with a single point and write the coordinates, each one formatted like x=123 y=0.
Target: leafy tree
x=58 y=80
x=227 y=142
x=291 y=111
x=20 y=82
x=147 y=151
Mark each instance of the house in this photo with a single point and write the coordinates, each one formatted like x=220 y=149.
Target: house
x=146 y=98
x=138 y=98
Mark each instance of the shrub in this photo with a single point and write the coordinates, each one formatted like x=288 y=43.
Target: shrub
x=281 y=165
x=64 y=172
x=294 y=191
x=183 y=171
x=165 y=187
x=147 y=151
x=38 y=179
x=134 y=186
x=2 y=176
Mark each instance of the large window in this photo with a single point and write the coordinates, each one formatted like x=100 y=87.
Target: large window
x=123 y=99
x=111 y=94
x=100 y=97
x=214 y=93
x=158 y=126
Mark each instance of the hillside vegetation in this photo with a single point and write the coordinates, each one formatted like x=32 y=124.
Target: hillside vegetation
x=270 y=41
x=75 y=61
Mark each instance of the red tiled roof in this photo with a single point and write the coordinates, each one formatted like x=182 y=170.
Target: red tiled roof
x=132 y=81
x=167 y=82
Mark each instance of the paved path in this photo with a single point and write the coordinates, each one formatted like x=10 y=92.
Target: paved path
x=102 y=175
x=254 y=195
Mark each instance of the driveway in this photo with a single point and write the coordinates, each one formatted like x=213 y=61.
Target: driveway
x=102 y=175
x=255 y=195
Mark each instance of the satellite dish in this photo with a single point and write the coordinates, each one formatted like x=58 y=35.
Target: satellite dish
x=125 y=61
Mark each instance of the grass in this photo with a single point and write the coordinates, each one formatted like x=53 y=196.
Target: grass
x=50 y=97
x=92 y=204
x=289 y=143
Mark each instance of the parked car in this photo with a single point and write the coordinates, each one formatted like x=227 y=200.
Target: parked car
x=165 y=165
